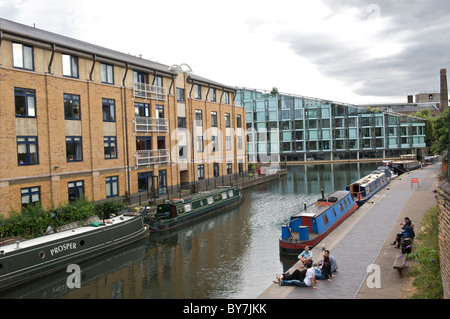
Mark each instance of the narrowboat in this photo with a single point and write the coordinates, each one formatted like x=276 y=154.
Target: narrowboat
x=364 y=188
x=406 y=163
x=27 y=260
x=177 y=212
x=312 y=224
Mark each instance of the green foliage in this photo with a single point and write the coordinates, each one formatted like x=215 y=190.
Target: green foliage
x=33 y=221
x=440 y=133
x=427 y=273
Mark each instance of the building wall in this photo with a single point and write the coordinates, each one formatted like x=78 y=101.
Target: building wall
x=54 y=172
x=443 y=204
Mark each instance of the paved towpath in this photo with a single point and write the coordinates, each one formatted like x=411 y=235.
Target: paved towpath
x=364 y=239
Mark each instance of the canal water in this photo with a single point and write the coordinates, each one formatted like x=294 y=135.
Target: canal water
x=234 y=254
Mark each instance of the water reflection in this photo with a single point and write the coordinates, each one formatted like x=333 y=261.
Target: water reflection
x=234 y=254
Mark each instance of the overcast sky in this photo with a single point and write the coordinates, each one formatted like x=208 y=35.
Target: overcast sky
x=344 y=50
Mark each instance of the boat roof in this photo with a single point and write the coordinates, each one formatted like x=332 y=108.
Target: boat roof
x=202 y=194
x=369 y=178
x=313 y=210
x=62 y=235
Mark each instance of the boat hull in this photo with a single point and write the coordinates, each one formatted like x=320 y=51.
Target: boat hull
x=36 y=258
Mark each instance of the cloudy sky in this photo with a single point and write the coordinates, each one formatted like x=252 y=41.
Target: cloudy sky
x=351 y=51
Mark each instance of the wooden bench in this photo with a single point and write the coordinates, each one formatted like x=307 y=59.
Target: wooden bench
x=402 y=257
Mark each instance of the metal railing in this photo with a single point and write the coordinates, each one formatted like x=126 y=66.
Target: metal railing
x=148 y=91
x=151 y=124
x=151 y=157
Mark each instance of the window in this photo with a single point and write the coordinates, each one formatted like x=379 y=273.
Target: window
x=180 y=95
x=30 y=196
x=325 y=219
x=71 y=107
x=159 y=111
x=70 y=65
x=199 y=143
x=107 y=71
x=227 y=120
x=110 y=147
x=74 y=148
x=145 y=181
x=216 y=169
x=143 y=143
x=238 y=121
x=140 y=77
x=112 y=186
x=198 y=118
x=181 y=122
x=23 y=56
x=142 y=109
x=226 y=97
x=197 y=92
x=25 y=102
x=229 y=168
x=228 y=143
x=163 y=181
x=27 y=150
x=212 y=92
x=215 y=144
x=75 y=190
x=109 y=110
x=239 y=142
x=201 y=171
x=214 y=119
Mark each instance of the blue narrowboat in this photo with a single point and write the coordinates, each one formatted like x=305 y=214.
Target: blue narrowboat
x=312 y=224
x=364 y=188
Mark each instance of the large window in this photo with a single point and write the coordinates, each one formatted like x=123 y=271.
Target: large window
x=197 y=92
x=198 y=118
x=23 y=56
x=27 y=150
x=145 y=181
x=30 y=196
x=70 y=65
x=112 y=186
x=199 y=143
x=213 y=119
x=107 y=71
x=180 y=95
x=143 y=143
x=25 y=102
x=110 y=147
x=212 y=93
x=142 y=109
x=227 y=120
x=109 y=110
x=201 y=171
x=72 y=107
x=75 y=190
x=74 y=148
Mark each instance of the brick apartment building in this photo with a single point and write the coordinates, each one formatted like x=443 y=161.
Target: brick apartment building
x=78 y=120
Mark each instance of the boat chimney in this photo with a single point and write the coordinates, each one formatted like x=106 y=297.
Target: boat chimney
x=304 y=205
x=17 y=244
x=322 y=193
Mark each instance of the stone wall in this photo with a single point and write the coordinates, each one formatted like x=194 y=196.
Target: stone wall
x=443 y=202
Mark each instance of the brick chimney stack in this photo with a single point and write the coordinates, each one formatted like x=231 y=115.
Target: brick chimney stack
x=444 y=90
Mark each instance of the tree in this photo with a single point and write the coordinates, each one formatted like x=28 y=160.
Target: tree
x=440 y=133
x=426 y=115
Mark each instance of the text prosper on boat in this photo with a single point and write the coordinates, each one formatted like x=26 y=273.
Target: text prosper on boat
x=62 y=248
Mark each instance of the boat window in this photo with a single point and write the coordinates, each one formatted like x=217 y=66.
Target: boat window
x=210 y=200
x=341 y=207
x=334 y=213
x=230 y=193
x=345 y=203
x=187 y=208
x=224 y=195
x=325 y=219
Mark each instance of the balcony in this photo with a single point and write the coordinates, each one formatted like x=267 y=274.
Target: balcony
x=151 y=124
x=152 y=157
x=150 y=92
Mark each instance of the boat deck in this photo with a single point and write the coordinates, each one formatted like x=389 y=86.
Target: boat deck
x=317 y=210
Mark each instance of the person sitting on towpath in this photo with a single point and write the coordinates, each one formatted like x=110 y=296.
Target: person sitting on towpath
x=324 y=272
x=306 y=255
x=333 y=261
x=407 y=232
x=309 y=281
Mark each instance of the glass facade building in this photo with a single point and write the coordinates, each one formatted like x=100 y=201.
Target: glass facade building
x=285 y=127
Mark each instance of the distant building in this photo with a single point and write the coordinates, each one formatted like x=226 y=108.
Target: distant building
x=296 y=128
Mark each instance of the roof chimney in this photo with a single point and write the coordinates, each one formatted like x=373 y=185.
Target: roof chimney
x=444 y=90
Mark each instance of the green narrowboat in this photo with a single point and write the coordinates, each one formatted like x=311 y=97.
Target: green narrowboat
x=178 y=212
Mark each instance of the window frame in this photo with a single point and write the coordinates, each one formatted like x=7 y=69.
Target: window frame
x=107 y=70
x=28 y=155
x=68 y=97
x=74 y=140
x=109 y=185
x=110 y=116
x=110 y=140
x=26 y=93
x=23 y=59
x=76 y=188
x=29 y=193
x=74 y=66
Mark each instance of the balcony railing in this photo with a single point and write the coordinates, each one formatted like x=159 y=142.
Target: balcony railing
x=151 y=124
x=147 y=91
x=151 y=157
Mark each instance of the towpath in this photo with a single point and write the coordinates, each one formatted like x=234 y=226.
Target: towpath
x=364 y=239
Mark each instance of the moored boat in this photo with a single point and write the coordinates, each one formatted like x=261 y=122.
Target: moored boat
x=312 y=224
x=177 y=212
x=23 y=261
x=364 y=188
x=406 y=163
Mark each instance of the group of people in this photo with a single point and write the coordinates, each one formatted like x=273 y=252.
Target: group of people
x=308 y=276
x=406 y=232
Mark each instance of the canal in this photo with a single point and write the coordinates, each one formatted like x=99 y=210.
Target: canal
x=234 y=254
